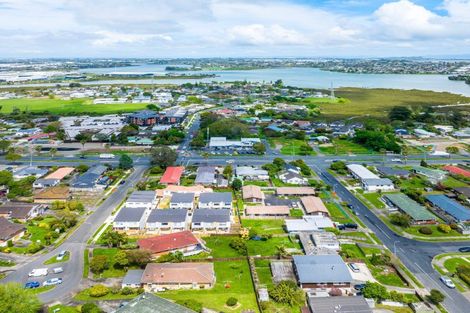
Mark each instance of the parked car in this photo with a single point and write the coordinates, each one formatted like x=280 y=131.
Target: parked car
x=447 y=281
x=38 y=272
x=61 y=255
x=52 y=282
x=32 y=285
x=57 y=270
x=464 y=249
x=351 y=225
x=354 y=267
x=359 y=286
x=122 y=182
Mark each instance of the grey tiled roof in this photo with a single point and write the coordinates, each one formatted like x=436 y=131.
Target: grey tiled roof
x=149 y=303
x=208 y=197
x=182 y=197
x=133 y=277
x=211 y=215
x=130 y=215
x=142 y=196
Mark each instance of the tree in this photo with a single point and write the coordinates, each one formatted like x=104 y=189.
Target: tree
x=113 y=238
x=444 y=228
x=38 y=149
x=279 y=162
x=99 y=263
x=125 y=162
x=53 y=152
x=228 y=171
x=163 y=156
x=423 y=163
x=231 y=301
x=120 y=259
x=400 y=219
x=436 y=297
x=375 y=291
x=287 y=292
x=339 y=167
x=14 y=298
x=139 y=257
x=237 y=184
x=281 y=251
x=5 y=177
x=12 y=156
x=399 y=113
x=4 y=145
x=82 y=168
x=259 y=148
x=452 y=150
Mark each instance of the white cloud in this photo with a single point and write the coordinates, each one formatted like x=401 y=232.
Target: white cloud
x=257 y=34
x=111 y=38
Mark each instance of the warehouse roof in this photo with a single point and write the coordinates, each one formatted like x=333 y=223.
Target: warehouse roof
x=412 y=208
x=453 y=208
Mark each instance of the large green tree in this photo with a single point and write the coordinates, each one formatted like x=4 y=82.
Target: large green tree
x=125 y=162
x=163 y=156
x=287 y=292
x=14 y=298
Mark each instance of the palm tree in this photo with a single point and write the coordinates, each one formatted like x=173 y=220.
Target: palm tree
x=281 y=252
x=53 y=152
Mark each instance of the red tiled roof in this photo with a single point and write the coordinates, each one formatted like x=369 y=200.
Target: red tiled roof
x=457 y=170
x=172 y=175
x=168 y=242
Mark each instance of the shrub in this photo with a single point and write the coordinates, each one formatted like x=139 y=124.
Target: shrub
x=444 y=228
x=425 y=230
x=287 y=292
x=90 y=307
x=115 y=290
x=127 y=291
x=99 y=263
x=399 y=219
x=239 y=245
x=380 y=259
x=231 y=301
x=436 y=296
x=34 y=247
x=97 y=291
x=454 y=226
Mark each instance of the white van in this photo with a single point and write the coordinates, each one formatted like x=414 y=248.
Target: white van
x=38 y=272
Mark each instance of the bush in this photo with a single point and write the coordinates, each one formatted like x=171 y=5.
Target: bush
x=98 y=291
x=287 y=292
x=239 y=245
x=34 y=247
x=231 y=301
x=127 y=291
x=444 y=228
x=425 y=230
x=436 y=296
x=380 y=259
x=99 y=263
x=399 y=219
x=191 y=304
x=90 y=307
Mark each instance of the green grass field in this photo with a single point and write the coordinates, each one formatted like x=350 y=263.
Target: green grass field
x=336 y=214
x=374 y=198
x=451 y=182
x=58 y=106
x=233 y=280
x=265 y=226
x=414 y=230
x=378 y=102
x=53 y=260
x=451 y=264
x=291 y=146
x=342 y=146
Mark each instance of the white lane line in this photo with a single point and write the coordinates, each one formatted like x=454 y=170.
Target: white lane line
x=384 y=232
x=432 y=280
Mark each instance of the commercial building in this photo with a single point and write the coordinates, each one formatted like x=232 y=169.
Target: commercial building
x=143 y=118
x=369 y=181
x=418 y=213
x=222 y=144
x=450 y=207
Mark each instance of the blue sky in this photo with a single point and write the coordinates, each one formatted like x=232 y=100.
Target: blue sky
x=231 y=28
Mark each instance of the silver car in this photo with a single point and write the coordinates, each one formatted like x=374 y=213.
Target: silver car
x=447 y=281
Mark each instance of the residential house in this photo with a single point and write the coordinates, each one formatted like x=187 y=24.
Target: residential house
x=221 y=144
x=454 y=210
x=254 y=211
x=289 y=177
x=182 y=200
x=45 y=182
x=457 y=170
x=215 y=200
x=29 y=171
x=253 y=194
x=161 y=221
x=21 y=211
x=148 y=302
x=317 y=273
x=89 y=181
x=343 y=304
x=433 y=175
x=132 y=279
x=131 y=219
x=211 y=220
x=370 y=181
x=295 y=191
x=173 y=276
x=172 y=175
x=418 y=213
x=60 y=173
x=392 y=171
x=170 y=189
x=206 y=175
x=52 y=194
x=184 y=242
x=325 y=240
x=314 y=205
x=142 y=199
x=251 y=173
x=10 y=231
x=308 y=223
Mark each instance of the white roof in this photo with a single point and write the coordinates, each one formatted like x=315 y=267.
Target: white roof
x=361 y=172
x=309 y=223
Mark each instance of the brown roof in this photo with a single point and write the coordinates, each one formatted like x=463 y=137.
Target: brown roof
x=60 y=173
x=267 y=210
x=168 y=242
x=293 y=191
x=174 y=188
x=252 y=191
x=17 y=209
x=313 y=205
x=9 y=229
x=57 y=192
x=179 y=273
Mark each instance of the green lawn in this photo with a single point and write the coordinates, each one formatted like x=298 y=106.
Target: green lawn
x=342 y=146
x=37 y=232
x=53 y=260
x=292 y=146
x=336 y=214
x=374 y=198
x=111 y=271
x=451 y=182
x=377 y=102
x=219 y=246
x=412 y=182
x=41 y=289
x=414 y=230
x=451 y=264
x=63 y=309
x=233 y=280
x=265 y=226
x=256 y=183
x=269 y=247
x=58 y=106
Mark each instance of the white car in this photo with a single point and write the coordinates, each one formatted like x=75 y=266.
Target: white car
x=52 y=282
x=57 y=270
x=396 y=160
x=38 y=272
x=61 y=255
x=447 y=281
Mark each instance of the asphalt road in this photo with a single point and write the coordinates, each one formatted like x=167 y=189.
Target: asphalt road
x=75 y=243
x=416 y=255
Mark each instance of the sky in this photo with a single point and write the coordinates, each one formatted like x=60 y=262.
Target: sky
x=233 y=28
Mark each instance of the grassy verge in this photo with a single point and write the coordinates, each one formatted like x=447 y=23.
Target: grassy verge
x=54 y=260
x=86 y=264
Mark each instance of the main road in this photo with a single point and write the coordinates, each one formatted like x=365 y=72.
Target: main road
x=76 y=244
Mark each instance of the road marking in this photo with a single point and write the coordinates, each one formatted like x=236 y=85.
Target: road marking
x=429 y=276
x=382 y=231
